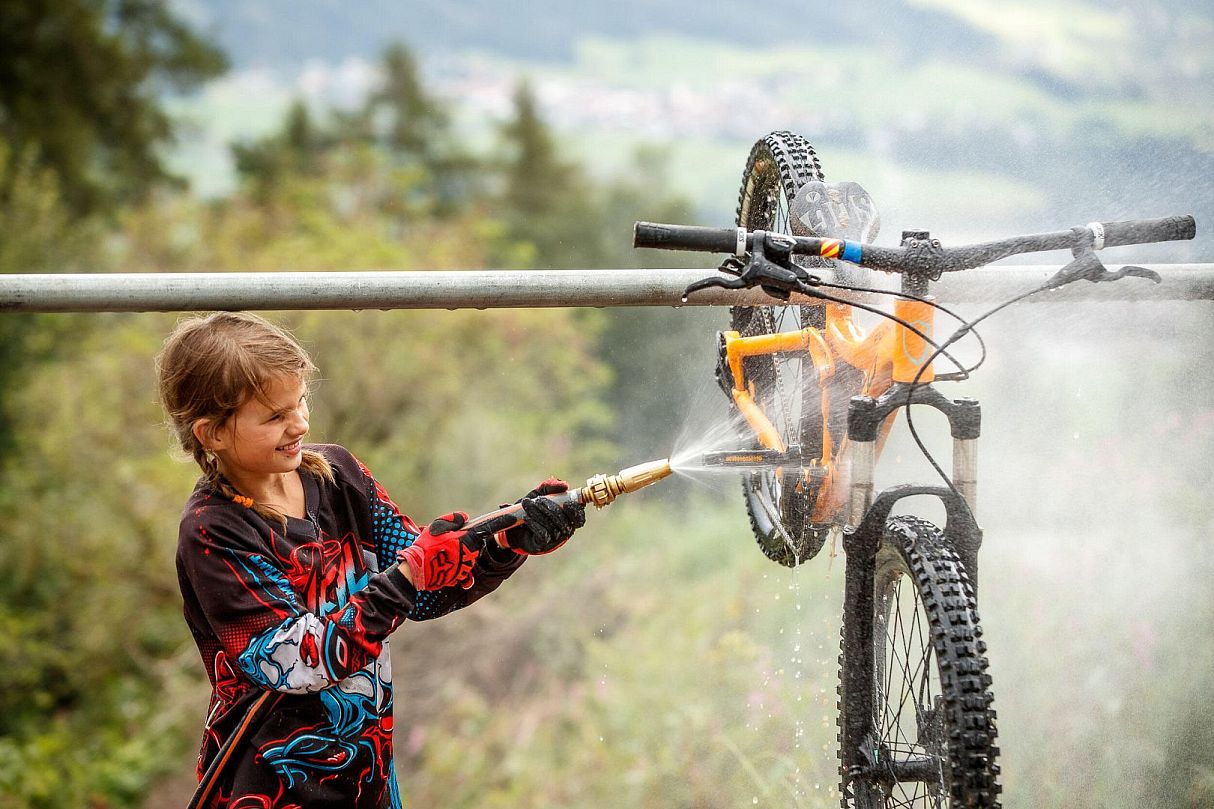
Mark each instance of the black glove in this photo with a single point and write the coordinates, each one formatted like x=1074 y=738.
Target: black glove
x=548 y=525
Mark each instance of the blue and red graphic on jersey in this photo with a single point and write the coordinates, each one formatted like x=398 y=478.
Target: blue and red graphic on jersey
x=356 y=740
x=307 y=654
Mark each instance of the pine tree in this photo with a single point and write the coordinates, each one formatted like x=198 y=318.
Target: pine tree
x=412 y=122
x=537 y=179
x=80 y=90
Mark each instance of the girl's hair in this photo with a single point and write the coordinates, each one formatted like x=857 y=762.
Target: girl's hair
x=210 y=366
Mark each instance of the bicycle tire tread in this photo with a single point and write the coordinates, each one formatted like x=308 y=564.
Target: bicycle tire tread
x=950 y=606
x=793 y=162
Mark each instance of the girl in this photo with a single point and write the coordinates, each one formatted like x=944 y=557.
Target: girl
x=295 y=566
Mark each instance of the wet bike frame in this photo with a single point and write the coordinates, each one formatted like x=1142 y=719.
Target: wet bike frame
x=895 y=360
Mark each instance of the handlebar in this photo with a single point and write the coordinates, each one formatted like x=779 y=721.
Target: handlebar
x=922 y=256
x=1142 y=231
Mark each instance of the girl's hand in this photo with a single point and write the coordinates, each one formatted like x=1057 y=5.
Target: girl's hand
x=443 y=555
x=548 y=525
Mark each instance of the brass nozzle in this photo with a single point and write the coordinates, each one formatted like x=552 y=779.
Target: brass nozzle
x=602 y=489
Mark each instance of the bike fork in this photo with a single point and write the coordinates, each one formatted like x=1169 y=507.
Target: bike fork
x=867 y=515
x=864 y=419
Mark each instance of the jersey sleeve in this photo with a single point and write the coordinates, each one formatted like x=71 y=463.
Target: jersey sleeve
x=393 y=531
x=244 y=591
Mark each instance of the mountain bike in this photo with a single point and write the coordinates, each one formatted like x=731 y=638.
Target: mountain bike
x=818 y=394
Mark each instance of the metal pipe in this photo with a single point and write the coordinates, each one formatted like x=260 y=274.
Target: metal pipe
x=492 y=289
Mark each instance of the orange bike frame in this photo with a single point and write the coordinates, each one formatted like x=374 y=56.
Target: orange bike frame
x=886 y=354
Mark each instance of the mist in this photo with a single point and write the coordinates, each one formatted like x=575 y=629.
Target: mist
x=1095 y=583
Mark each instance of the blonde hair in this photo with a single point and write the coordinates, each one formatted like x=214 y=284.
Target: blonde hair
x=210 y=366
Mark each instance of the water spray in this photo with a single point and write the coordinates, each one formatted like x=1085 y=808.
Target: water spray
x=599 y=491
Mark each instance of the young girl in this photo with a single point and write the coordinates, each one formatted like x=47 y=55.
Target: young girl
x=295 y=566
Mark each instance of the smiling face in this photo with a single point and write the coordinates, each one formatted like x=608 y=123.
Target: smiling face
x=262 y=441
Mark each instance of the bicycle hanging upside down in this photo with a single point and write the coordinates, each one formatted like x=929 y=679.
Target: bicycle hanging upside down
x=819 y=394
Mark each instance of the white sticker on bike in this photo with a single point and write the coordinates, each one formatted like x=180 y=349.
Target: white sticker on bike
x=920 y=357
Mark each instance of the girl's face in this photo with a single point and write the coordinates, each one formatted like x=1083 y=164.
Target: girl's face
x=264 y=438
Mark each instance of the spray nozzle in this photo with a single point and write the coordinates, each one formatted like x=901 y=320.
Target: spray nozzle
x=599 y=491
x=602 y=489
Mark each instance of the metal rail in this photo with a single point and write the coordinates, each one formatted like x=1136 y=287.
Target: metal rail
x=493 y=289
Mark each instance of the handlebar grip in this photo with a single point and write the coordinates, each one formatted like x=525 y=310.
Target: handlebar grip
x=1141 y=231
x=684 y=237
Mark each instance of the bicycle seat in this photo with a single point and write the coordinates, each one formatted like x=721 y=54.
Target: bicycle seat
x=836 y=211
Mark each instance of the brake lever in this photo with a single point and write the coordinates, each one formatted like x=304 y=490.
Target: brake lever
x=1087 y=266
x=778 y=277
x=709 y=283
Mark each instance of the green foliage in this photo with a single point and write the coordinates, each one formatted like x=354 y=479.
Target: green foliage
x=37 y=235
x=78 y=90
x=410 y=121
x=656 y=665
x=88 y=607
x=401 y=129
x=295 y=151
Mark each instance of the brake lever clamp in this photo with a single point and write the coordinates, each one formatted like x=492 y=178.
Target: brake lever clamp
x=1087 y=266
x=778 y=276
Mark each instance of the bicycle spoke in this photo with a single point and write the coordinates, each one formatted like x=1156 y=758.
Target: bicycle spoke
x=906 y=689
x=908 y=679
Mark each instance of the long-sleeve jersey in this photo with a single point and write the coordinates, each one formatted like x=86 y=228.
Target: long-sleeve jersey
x=307 y=612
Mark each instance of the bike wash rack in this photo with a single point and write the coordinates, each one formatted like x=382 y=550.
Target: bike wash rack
x=493 y=289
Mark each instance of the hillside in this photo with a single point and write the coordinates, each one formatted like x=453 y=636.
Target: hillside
x=962 y=117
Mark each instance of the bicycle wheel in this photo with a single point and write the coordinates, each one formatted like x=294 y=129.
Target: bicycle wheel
x=932 y=740
x=787 y=391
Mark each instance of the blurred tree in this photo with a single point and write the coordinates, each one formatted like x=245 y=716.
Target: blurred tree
x=415 y=128
x=80 y=87
x=295 y=150
x=411 y=121
x=537 y=179
x=37 y=235
x=545 y=200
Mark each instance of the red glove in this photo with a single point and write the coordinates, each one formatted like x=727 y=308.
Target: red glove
x=442 y=555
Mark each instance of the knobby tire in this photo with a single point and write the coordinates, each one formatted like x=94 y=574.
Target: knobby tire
x=931 y=695
x=786 y=388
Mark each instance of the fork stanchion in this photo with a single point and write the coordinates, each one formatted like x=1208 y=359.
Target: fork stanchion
x=965 y=470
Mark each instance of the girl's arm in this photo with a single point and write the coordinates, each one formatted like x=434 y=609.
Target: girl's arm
x=393 y=531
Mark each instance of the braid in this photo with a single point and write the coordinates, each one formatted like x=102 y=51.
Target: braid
x=210 y=472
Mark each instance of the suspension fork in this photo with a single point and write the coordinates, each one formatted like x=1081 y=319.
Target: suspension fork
x=867 y=515
x=865 y=418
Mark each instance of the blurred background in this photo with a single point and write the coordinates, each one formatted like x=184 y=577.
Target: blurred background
x=660 y=660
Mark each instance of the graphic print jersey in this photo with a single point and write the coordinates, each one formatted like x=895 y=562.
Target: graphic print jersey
x=306 y=613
